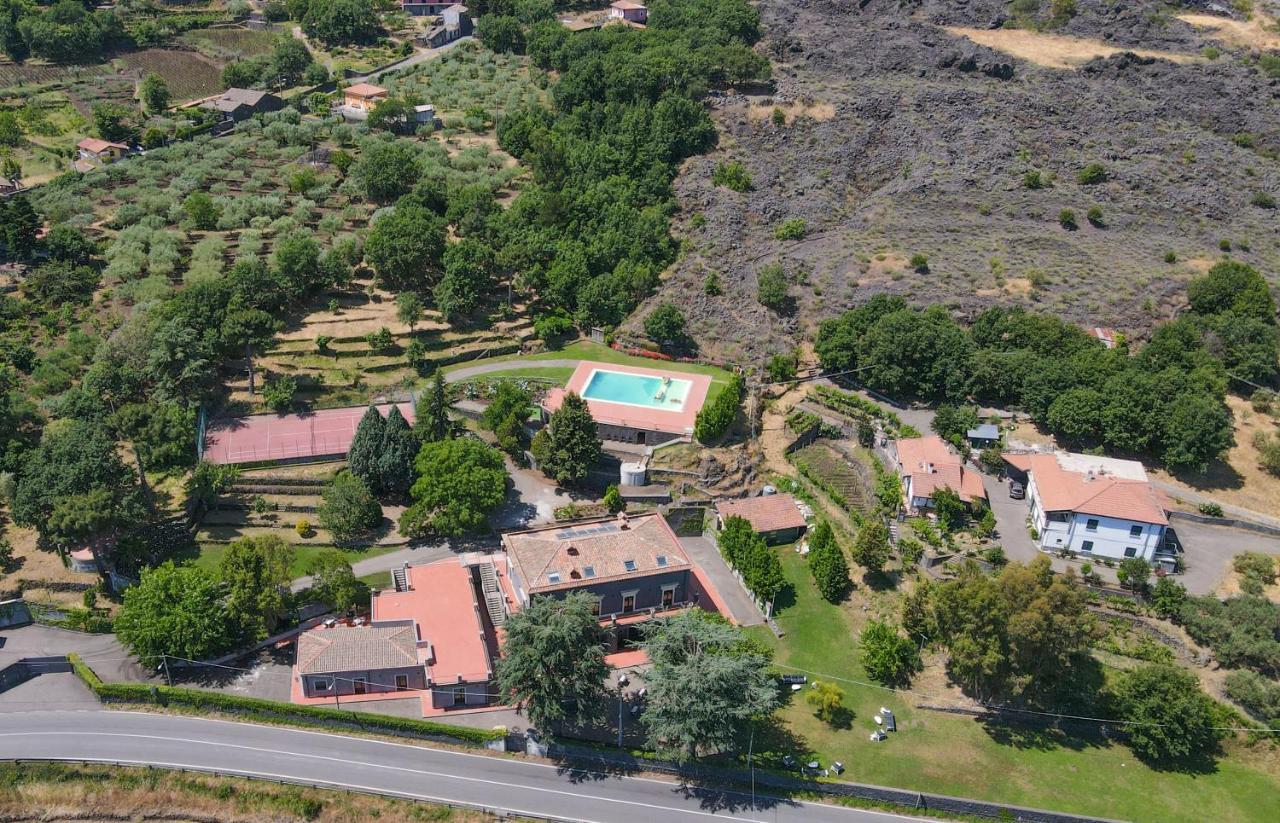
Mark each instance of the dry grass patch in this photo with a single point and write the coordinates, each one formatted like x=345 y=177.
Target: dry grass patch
x=1055 y=51
x=1241 y=481
x=1258 y=32
x=819 y=112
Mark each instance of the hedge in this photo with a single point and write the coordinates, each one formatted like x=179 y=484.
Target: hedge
x=273 y=710
x=717 y=416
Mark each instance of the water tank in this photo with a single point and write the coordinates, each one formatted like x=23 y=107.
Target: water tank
x=633 y=474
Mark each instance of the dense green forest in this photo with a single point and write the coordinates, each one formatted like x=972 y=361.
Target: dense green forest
x=1165 y=400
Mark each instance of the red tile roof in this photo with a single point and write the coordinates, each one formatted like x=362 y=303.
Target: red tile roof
x=1098 y=489
x=96 y=146
x=931 y=465
x=577 y=554
x=365 y=90
x=768 y=513
x=442 y=602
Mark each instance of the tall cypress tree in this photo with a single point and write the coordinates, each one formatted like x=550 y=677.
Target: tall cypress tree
x=827 y=563
x=395 y=461
x=433 y=412
x=573 y=441
x=362 y=457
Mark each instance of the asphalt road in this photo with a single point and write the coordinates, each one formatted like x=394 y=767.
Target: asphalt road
x=495 y=783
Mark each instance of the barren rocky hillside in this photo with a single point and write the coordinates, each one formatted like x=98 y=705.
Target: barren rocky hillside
x=911 y=127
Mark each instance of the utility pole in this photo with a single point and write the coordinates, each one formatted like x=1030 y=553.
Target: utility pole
x=752 y=766
x=620 y=703
x=164 y=661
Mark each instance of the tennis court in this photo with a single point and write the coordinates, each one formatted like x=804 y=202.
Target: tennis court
x=264 y=438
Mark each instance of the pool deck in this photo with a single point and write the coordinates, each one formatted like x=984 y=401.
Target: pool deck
x=631 y=416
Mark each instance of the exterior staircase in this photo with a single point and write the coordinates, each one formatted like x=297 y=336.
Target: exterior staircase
x=400 y=578
x=493 y=600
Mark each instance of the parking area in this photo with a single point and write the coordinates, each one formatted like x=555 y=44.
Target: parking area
x=1209 y=550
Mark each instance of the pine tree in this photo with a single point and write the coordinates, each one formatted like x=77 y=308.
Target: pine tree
x=362 y=457
x=395 y=460
x=20 y=225
x=827 y=564
x=433 y=412
x=871 y=548
x=574 y=442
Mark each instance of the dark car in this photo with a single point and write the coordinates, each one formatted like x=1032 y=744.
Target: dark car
x=1016 y=490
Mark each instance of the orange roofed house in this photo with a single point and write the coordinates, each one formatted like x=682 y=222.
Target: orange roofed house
x=633 y=567
x=360 y=99
x=103 y=151
x=431 y=636
x=776 y=517
x=629 y=11
x=1093 y=505
x=927 y=464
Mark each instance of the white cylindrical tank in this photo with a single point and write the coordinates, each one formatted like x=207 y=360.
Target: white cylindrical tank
x=633 y=474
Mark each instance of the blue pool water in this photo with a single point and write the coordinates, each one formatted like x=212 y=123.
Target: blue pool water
x=636 y=390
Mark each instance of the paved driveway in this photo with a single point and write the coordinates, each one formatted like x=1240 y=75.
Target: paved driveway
x=1011 y=521
x=1209 y=550
x=703 y=552
x=102 y=651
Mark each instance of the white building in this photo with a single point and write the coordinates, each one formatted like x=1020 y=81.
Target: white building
x=1093 y=506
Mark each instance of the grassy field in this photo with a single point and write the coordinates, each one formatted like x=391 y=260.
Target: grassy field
x=118 y=793
x=586 y=350
x=937 y=752
x=211 y=555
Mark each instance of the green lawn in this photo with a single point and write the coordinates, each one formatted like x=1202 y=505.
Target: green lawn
x=560 y=374
x=586 y=350
x=950 y=754
x=211 y=555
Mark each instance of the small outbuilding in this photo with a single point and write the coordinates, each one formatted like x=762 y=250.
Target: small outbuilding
x=629 y=11
x=241 y=104
x=775 y=517
x=984 y=436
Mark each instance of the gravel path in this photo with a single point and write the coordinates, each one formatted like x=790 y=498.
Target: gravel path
x=507 y=365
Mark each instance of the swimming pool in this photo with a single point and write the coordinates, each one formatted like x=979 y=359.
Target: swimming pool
x=665 y=393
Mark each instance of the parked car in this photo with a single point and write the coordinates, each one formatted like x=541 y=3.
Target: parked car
x=1016 y=490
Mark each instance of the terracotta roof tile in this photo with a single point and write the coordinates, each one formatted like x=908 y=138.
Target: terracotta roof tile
x=357 y=648
x=1098 y=489
x=576 y=554
x=768 y=513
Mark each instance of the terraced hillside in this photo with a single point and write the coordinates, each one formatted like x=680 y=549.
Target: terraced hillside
x=895 y=134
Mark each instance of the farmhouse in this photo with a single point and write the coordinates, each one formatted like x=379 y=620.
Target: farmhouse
x=1092 y=505
x=102 y=151
x=633 y=566
x=362 y=98
x=927 y=464
x=632 y=404
x=417 y=8
x=455 y=22
x=241 y=104
x=776 y=517
x=428 y=636
x=629 y=11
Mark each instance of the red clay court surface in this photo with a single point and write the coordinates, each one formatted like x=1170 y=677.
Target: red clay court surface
x=263 y=438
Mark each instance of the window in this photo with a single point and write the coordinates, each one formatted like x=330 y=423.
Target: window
x=661 y=561
x=1130 y=551
x=628 y=602
x=668 y=596
x=459 y=695
x=596 y=606
x=1086 y=546
x=553 y=577
x=402 y=682
x=629 y=565
x=360 y=685
x=1091 y=525
x=320 y=684
x=1135 y=531
x=589 y=571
